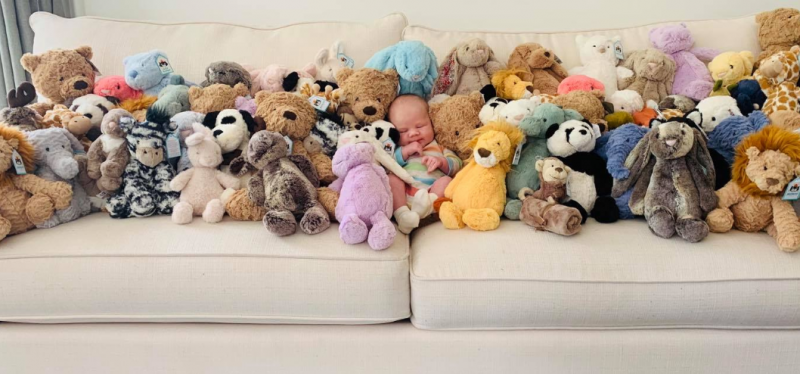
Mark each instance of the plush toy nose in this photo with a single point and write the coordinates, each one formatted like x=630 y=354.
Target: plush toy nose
x=722 y=74
x=217 y=133
x=80 y=85
x=133 y=74
x=771 y=69
x=602 y=50
x=559 y=170
x=480 y=52
x=518 y=117
x=772 y=181
x=652 y=65
x=289 y=115
x=370 y=111
x=671 y=142
x=483 y=152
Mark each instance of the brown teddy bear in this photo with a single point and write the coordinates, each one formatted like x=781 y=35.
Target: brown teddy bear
x=216 y=97
x=540 y=65
x=588 y=104
x=778 y=30
x=27 y=199
x=368 y=92
x=765 y=163
x=61 y=75
x=454 y=120
x=653 y=74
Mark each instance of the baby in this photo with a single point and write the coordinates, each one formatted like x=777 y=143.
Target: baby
x=427 y=162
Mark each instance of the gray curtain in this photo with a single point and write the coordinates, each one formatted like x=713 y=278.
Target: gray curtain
x=16 y=36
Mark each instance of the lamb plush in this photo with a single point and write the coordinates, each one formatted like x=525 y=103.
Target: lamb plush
x=115 y=85
x=692 y=78
x=108 y=156
x=18 y=115
x=328 y=62
x=149 y=71
x=174 y=98
x=653 y=74
x=540 y=66
x=364 y=210
x=711 y=111
x=202 y=185
x=628 y=101
x=600 y=61
x=468 y=67
x=414 y=62
x=226 y=72
x=516 y=110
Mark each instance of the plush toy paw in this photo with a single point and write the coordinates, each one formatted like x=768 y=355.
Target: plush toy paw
x=406 y=220
x=481 y=219
x=214 y=211
x=60 y=193
x=605 y=210
x=322 y=164
x=239 y=206
x=662 y=222
x=450 y=216
x=352 y=229
x=692 y=230
x=328 y=198
x=382 y=234
x=39 y=208
x=5 y=227
x=280 y=222
x=422 y=203
x=315 y=220
x=513 y=208
x=182 y=213
x=109 y=184
x=720 y=220
x=112 y=169
x=143 y=206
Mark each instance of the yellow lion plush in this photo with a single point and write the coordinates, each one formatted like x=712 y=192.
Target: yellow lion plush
x=478 y=192
x=510 y=86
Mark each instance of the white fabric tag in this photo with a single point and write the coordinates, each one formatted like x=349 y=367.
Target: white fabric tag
x=792 y=190
x=346 y=60
x=618 y=50
x=173 y=146
x=164 y=65
x=518 y=153
x=289 y=142
x=319 y=103
x=19 y=166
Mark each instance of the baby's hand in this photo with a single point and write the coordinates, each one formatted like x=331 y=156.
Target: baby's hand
x=433 y=163
x=411 y=149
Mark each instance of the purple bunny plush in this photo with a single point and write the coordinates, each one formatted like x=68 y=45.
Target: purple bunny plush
x=365 y=200
x=692 y=78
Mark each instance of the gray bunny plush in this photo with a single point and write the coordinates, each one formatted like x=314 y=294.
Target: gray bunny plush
x=673 y=180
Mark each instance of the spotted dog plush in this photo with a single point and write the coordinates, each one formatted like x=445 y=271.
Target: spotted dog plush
x=145 y=183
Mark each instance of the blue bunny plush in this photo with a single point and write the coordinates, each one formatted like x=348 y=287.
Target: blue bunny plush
x=413 y=61
x=148 y=71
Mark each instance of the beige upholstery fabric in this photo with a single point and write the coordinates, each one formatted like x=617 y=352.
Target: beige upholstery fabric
x=608 y=276
x=100 y=269
x=190 y=48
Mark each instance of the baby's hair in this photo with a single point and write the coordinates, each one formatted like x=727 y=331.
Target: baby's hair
x=406 y=97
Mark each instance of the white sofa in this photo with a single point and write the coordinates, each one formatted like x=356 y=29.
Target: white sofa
x=612 y=299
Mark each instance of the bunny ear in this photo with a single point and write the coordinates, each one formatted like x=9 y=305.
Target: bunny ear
x=382 y=60
x=448 y=74
x=701 y=167
x=322 y=57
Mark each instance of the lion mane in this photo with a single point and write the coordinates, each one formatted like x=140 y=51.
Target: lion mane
x=770 y=138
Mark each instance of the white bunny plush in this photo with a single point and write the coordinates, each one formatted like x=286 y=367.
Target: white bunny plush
x=599 y=60
x=328 y=62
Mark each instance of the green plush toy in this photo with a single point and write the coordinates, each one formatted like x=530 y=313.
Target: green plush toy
x=523 y=173
x=174 y=98
x=618 y=119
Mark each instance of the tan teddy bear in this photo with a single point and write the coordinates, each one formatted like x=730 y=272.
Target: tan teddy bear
x=588 y=104
x=368 y=92
x=216 y=97
x=454 y=121
x=61 y=75
x=778 y=30
x=541 y=67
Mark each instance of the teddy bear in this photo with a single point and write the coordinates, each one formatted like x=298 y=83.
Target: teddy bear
x=778 y=30
x=215 y=97
x=765 y=163
x=598 y=55
x=17 y=114
x=477 y=194
x=329 y=61
x=541 y=209
x=540 y=66
x=509 y=85
x=108 y=155
x=364 y=210
x=710 y=111
x=552 y=174
x=28 y=200
x=728 y=68
x=368 y=92
x=174 y=98
x=226 y=72
x=61 y=75
x=77 y=124
x=148 y=71
x=692 y=78
x=454 y=121
x=579 y=82
x=653 y=74
x=786 y=119
x=202 y=185
x=115 y=85
x=468 y=67
x=414 y=63
x=588 y=104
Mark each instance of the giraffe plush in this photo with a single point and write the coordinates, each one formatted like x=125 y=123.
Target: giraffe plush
x=777 y=75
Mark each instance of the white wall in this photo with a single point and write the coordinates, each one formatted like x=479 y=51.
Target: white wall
x=488 y=15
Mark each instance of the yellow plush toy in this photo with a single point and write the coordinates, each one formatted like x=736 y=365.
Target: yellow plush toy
x=478 y=192
x=510 y=86
x=729 y=68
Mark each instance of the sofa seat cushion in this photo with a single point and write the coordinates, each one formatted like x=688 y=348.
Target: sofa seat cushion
x=608 y=276
x=98 y=269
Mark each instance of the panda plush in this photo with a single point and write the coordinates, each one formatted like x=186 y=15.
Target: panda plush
x=492 y=109
x=94 y=107
x=325 y=134
x=589 y=185
x=232 y=130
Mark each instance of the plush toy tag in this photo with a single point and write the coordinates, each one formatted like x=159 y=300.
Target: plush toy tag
x=164 y=65
x=346 y=60
x=618 y=50
x=19 y=166
x=319 y=103
x=518 y=153
x=173 y=146
x=289 y=142
x=389 y=146
x=792 y=190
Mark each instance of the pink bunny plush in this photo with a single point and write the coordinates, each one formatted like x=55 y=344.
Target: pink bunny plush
x=278 y=78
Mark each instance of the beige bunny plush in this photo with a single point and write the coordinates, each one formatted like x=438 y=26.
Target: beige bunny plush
x=467 y=68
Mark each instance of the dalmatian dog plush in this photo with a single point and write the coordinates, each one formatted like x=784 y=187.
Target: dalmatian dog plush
x=386 y=133
x=589 y=185
x=491 y=110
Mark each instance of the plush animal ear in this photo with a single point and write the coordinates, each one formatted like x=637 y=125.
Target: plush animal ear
x=525 y=192
x=695 y=116
x=580 y=40
x=702 y=170
x=30 y=62
x=195 y=139
x=795 y=49
x=488 y=91
x=749 y=61
x=248 y=120
x=616 y=38
x=394 y=134
x=551 y=131
x=290 y=81
x=572 y=114
x=85 y=51
x=630 y=61
x=539 y=165
x=23 y=95
x=195 y=93
x=655 y=122
x=73 y=141
x=322 y=57
x=752 y=153
x=434 y=108
x=477 y=98
x=637 y=162
x=762 y=17
x=210 y=120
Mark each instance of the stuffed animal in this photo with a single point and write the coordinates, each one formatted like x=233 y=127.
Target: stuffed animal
x=617 y=119
x=672 y=177
x=616 y=150
x=286 y=186
x=653 y=74
x=510 y=86
x=454 y=121
x=215 y=97
x=677 y=102
x=202 y=185
x=711 y=111
x=18 y=115
x=778 y=30
x=490 y=112
x=76 y=123
x=468 y=67
x=330 y=93
x=148 y=71
x=145 y=182
x=524 y=173
x=540 y=66
x=182 y=124
x=231 y=129
x=579 y=83
x=61 y=75
x=766 y=162
x=589 y=185
x=368 y=92
x=478 y=192
x=94 y=107
x=728 y=68
x=748 y=95
x=54 y=161
x=552 y=175
x=413 y=61
x=246 y=103
x=730 y=132
x=364 y=210
x=277 y=78
x=599 y=59
x=226 y=72
x=692 y=78
x=325 y=134
x=788 y=120
x=513 y=112
x=115 y=85
x=174 y=98
x=384 y=148
x=778 y=68
x=628 y=101
x=328 y=62
x=588 y=104
x=108 y=156
x=138 y=107
x=547 y=215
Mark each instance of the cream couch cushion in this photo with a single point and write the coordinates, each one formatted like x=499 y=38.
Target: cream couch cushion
x=192 y=46
x=726 y=35
x=98 y=269
x=608 y=276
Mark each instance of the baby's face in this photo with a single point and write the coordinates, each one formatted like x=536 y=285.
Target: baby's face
x=412 y=121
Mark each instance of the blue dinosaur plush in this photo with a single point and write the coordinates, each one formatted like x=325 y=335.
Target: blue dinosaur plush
x=148 y=71
x=523 y=173
x=413 y=61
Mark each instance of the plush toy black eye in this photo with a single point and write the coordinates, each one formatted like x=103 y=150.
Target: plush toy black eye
x=478 y=126
x=356 y=99
x=456 y=132
x=656 y=135
x=622 y=107
x=63 y=147
x=47 y=149
x=765 y=168
x=594 y=46
x=683 y=132
x=145 y=152
x=467 y=49
x=221 y=73
x=379 y=99
x=61 y=79
x=731 y=66
x=713 y=119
